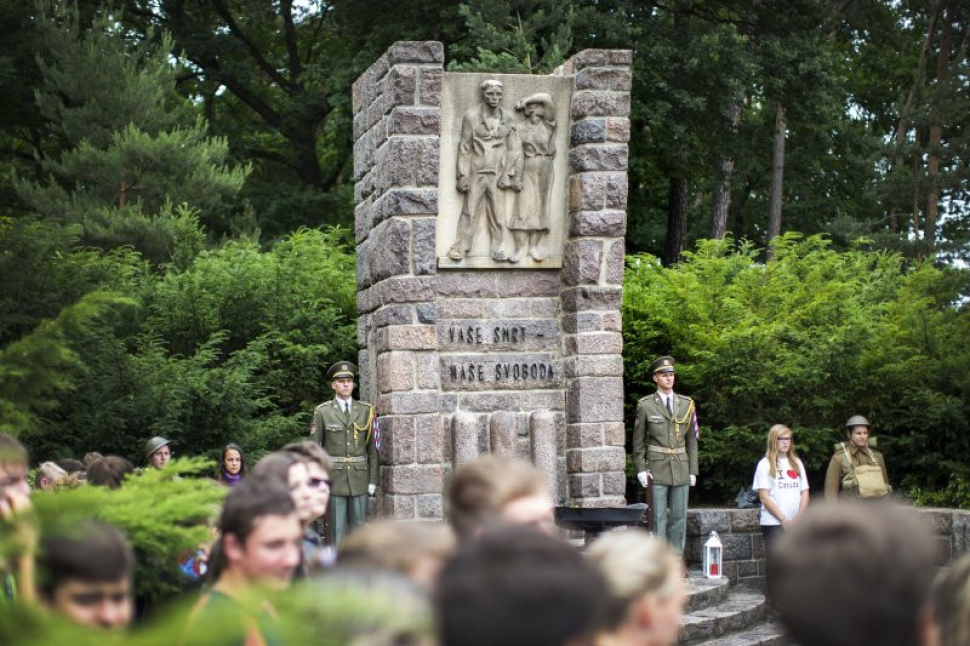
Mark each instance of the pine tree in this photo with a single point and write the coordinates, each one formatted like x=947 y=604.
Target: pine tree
x=136 y=149
x=517 y=36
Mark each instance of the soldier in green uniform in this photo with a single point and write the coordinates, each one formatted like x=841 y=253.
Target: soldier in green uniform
x=665 y=452
x=345 y=429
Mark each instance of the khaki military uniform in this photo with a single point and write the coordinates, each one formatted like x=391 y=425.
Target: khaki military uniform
x=838 y=468
x=349 y=440
x=666 y=445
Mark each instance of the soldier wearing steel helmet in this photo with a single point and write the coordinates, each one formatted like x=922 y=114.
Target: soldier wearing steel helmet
x=665 y=452
x=345 y=428
x=850 y=458
x=157 y=452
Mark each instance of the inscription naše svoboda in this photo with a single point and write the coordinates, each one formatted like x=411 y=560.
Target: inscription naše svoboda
x=501 y=371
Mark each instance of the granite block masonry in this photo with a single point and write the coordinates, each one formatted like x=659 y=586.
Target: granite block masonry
x=490 y=212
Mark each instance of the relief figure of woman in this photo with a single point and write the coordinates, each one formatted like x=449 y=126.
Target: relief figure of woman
x=530 y=217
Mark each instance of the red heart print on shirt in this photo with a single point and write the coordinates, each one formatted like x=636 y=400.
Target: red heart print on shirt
x=792 y=474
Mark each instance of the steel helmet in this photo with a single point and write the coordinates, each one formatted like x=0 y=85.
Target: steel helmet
x=857 y=420
x=154 y=444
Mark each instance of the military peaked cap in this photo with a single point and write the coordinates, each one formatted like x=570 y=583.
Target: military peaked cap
x=663 y=364
x=342 y=369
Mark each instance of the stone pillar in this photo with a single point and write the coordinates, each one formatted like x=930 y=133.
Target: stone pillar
x=396 y=129
x=592 y=276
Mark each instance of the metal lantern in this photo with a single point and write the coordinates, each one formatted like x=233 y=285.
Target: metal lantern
x=713 y=553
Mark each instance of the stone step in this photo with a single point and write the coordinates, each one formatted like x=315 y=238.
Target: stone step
x=741 y=609
x=765 y=634
x=704 y=592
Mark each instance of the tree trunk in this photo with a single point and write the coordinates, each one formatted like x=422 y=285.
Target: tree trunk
x=777 y=174
x=676 y=220
x=936 y=128
x=722 y=187
x=902 y=127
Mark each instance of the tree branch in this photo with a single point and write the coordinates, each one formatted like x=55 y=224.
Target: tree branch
x=289 y=36
x=254 y=52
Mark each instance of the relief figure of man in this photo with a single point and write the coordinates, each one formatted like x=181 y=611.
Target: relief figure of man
x=488 y=151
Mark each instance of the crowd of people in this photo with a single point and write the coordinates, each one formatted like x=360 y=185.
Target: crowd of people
x=499 y=572
x=854 y=570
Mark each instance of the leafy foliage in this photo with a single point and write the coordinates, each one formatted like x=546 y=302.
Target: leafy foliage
x=807 y=339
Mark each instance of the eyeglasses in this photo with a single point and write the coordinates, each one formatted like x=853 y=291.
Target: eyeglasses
x=317 y=483
x=784 y=439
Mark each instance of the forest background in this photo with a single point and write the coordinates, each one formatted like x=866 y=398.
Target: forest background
x=175 y=204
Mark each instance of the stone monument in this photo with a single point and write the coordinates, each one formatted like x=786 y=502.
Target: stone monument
x=490 y=219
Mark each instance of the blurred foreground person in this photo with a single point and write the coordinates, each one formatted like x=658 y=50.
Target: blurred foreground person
x=256 y=555
x=308 y=479
x=515 y=586
x=85 y=574
x=646 y=577
x=16 y=523
x=950 y=602
x=49 y=474
x=357 y=608
x=493 y=491
x=109 y=471
x=853 y=573
x=413 y=549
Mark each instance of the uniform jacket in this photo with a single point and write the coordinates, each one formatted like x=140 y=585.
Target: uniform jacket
x=839 y=469
x=344 y=436
x=655 y=426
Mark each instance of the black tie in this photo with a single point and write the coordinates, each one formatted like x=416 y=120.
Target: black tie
x=670 y=406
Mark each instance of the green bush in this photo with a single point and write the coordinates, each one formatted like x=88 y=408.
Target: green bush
x=228 y=344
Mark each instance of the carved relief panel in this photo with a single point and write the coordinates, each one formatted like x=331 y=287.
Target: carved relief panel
x=503 y=172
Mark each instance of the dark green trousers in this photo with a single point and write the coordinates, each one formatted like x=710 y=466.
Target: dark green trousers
x=346 y=513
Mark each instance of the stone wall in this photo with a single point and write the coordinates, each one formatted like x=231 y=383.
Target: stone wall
x=744 y=548
x=420 y=327
x=396 y=125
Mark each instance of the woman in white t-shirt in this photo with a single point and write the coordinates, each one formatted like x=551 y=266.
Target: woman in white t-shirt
x=781 y=484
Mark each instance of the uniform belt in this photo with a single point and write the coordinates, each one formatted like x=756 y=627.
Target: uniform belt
x=359 y=458
x=659 y=449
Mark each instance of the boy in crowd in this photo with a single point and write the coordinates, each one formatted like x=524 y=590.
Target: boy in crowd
x=258 y=551
x=517 y=586
x=85 y=574
x=854 y=573
x=498 y=491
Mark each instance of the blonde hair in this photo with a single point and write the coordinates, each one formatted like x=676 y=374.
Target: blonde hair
x=635 y=564
x=396 y=544
x=480 y=489
x=772 y=451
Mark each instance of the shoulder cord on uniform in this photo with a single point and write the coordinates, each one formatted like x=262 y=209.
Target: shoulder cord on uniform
x=368 y=426
x=690 y=409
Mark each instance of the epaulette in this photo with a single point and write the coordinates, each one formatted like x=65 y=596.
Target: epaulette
x=684 y=397
x=323 y=404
